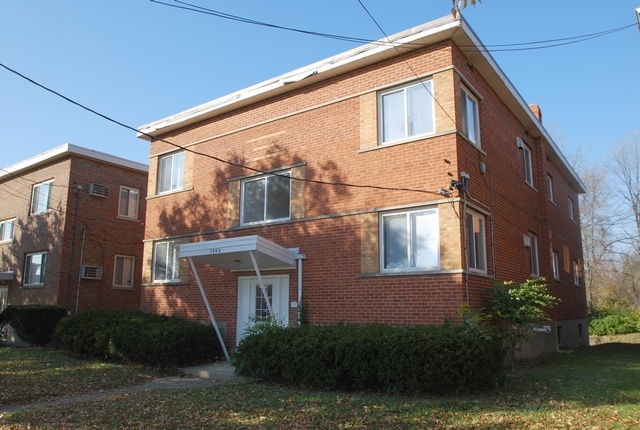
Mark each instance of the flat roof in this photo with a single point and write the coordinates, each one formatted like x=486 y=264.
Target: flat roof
x=66 y=150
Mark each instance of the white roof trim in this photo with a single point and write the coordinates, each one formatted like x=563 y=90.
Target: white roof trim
x=233 y=253
x=70 y=149
x=340 y=63
x=432 y=32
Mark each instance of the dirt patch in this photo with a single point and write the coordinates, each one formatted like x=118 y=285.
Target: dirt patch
x=619 y=338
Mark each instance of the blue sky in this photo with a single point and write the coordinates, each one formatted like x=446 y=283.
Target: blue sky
x=138 y=61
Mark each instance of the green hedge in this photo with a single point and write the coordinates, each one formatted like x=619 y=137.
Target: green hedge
x=433 y=359
x=34 y=324
x=616 y=323
x=138 y=337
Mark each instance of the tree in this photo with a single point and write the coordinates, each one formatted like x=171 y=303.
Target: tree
x=515 y=307
x=461 y=4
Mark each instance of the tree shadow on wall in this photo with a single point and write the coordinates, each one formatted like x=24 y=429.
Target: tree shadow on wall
x=204 y=212
x=38 y=233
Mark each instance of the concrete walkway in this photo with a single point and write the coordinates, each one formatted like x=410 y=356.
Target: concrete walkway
x=202 y=376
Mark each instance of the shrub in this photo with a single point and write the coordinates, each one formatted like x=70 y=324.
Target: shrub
x=432 y=359
x=35 y=324
x=138 y=337
x=622 y=322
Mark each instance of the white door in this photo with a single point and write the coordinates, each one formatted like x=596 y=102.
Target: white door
x=252 y=305
x=4 y=297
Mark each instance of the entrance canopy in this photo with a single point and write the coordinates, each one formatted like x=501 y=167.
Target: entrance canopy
x=235 y=253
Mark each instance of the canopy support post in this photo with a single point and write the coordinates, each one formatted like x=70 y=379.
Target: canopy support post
x=262 y=287
x=206 y=303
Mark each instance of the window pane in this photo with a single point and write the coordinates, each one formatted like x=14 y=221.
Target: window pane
x=262 y=310
x=127 y=272
x=118 y=275
x=6 y=230
x=160 y=264
x=395 y=241
x=173 y=261
x=178 y=171
x=424 y=239
x=393 y=116
x=528 y=174
x=469 y=119
x=34 y=269
x=164 y=174
x=419 y=105
x=477 y=243
x=123 y=273
x=534 y=255
x=129 y=202
x=124 y=202
x=278 y=197
x=40 y=198
x=253 y=201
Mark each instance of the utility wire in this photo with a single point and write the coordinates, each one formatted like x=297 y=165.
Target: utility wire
x=406 y=62
x=505 y=47
x=221 y=160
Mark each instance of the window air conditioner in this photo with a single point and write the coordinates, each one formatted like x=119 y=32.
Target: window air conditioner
x=90 y=272
x=98 y=190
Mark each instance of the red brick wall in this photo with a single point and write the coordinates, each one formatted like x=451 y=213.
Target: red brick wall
x=324 y=128
x=104 y=234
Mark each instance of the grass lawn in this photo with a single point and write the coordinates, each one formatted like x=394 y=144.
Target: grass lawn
x=589 y=388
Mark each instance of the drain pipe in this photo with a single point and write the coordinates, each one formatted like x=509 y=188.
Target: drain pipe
x=84 y=230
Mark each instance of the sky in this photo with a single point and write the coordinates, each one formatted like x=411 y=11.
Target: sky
x=138 y=61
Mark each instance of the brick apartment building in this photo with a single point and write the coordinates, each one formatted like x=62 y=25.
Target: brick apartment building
x=388 y=184
x=71 y=230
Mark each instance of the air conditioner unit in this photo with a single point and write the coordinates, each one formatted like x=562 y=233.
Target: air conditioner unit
x=98 y=190
x=90 y=272
x=527 y=241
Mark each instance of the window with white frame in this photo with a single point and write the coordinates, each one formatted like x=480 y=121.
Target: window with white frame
x=267 y=198
x=531 y=241
x=555 y=261
x=6 y=230
x=41 y=197
x=570 y=208
x=406 y=112
x=166 y=261
x=123 y=271
x=34 y=268
x=262 y=309
x=550 y=187
x=528 y=166
x=476 y=242
x=128 y=203
x=171 y=172
x=576 y=273
x=470 y=117
x=410 y=240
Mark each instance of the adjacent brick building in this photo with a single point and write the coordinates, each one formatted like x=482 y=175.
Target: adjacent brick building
x=71 y=230
x=393 y=183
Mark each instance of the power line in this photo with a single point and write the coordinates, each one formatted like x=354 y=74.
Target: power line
x=505 y=47
x=221 y=160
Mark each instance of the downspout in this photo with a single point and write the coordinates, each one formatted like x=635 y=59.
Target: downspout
x=299 y=291
x=84 y=230
x=73 y=248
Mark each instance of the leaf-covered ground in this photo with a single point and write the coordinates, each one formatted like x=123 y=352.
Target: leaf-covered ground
x=590 y=388
x=39 y=374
